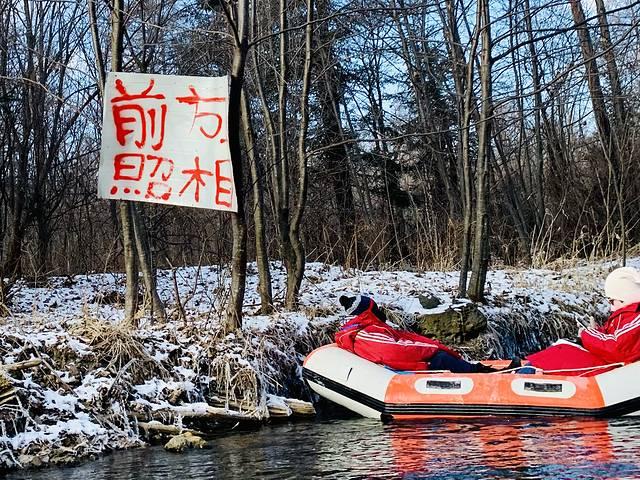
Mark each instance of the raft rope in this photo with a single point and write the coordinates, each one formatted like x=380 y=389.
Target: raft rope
x=586 y=369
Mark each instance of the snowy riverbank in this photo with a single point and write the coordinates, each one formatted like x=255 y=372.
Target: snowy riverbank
x=96 y=382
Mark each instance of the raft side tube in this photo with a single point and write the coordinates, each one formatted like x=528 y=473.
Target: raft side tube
x=376 y=391
x=620 y=385
x=348 y=380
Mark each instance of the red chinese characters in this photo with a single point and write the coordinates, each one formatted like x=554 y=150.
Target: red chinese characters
x=143 y=111
x=204 y=103
x=168 y=141
x=196 y=175
x=223 y=193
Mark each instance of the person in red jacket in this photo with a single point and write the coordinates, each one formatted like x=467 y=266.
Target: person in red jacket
x=368 y=336
x=601 y=348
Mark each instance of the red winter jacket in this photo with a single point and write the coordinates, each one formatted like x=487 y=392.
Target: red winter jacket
x=370 y=338
x=618 y=340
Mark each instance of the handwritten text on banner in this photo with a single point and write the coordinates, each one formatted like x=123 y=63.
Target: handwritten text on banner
x=164 y=140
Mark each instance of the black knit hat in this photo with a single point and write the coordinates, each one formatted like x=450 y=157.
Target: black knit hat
x=355 y=305
x=359 y=304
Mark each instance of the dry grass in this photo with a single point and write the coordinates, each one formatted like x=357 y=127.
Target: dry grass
x=116 y=347
x=574 y=279
x=5 y=383
x=248 y=364
x=236 y=379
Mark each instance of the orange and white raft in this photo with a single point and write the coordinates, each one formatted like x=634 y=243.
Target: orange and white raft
x=376 y=391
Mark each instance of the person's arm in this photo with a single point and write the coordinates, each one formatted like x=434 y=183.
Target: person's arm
x=621 y=345
x=382 y=344
x=345 y=337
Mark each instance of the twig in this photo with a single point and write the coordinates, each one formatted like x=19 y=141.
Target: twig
x=18 y=366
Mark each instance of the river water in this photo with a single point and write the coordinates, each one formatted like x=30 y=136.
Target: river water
x=359 y=448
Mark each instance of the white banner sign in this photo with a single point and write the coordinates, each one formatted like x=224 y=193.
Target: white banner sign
x=164 y=140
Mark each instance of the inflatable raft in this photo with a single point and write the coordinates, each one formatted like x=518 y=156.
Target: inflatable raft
x=376 y=391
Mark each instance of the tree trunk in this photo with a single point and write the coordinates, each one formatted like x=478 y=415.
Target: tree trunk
x=262 y=256
x=233 y=318
x=146 y=265
x=538 y=178
x=612 y=67
x=294 y=278
x=463 y=78
x=282 y=164
x=607 y=137
x=124 y=209
x=620 y=120
x=480 y=259
x=130 y=263
x=593 y=80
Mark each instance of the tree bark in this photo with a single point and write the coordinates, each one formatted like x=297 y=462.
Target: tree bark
x=233 y=319
x=612 y=67
x=262 y=256
x=620 y=120
x=537 y=99
x=130 y=262
x=294 y=278
x=480 y=259
x=146 y=265
x=124 y=207
x=463 y=78
x=282 y=190
x=607 y=136
x=593 y=80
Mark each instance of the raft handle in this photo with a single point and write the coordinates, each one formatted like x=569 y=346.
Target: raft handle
x=543 y=387
x=444 y=384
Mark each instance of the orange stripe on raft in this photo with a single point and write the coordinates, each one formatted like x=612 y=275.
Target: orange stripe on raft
x=493 y=389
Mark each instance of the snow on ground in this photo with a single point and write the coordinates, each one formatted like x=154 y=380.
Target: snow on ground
x=203 y=289
x=95 y=374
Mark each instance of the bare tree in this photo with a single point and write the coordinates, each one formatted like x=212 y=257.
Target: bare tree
x=608 y=138
x=257 y=171
x=463 y=73
x=240 y=29
x=42 y=101
x=259 y=221
x=480 y=258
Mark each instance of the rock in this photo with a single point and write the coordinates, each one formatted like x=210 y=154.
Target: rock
x=186 y=440
x=429 y=301
x=30 y=461
x=455 y=325
x=175 y=395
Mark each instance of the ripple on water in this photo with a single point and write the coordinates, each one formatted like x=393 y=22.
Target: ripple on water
x=366 y=449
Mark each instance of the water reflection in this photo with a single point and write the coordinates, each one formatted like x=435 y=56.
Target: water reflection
x=496 y=449
x=366 y=449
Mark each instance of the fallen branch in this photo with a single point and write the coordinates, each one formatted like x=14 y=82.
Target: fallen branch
x=204 y=411
x=8 y=395
x=18 y=366
x=158 y=427
x=300 y=407
x=291 y=407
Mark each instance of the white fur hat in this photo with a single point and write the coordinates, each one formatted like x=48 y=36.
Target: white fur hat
x=623 y=284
